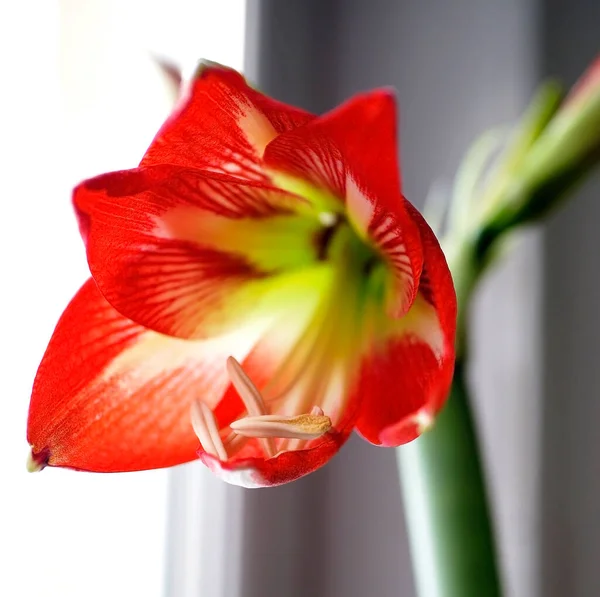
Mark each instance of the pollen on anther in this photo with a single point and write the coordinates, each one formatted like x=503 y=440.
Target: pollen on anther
x=307 y=426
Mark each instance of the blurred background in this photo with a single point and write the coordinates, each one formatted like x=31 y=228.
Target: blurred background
x=81 y=95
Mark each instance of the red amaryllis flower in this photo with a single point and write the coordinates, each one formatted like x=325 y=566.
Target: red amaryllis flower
x=259 y=283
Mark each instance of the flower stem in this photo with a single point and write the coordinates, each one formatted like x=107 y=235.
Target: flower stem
x=446 y=504
x=443 y=482
x=447 y=507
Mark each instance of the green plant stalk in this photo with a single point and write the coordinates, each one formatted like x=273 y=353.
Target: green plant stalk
x=448 y=513
x=446 y=502
x=443 y=482
x=450 y=526
x=445 y=497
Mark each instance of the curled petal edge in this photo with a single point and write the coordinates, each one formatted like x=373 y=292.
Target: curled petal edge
x=283 y=468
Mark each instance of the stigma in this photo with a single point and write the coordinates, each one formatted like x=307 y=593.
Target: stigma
x=258 y=423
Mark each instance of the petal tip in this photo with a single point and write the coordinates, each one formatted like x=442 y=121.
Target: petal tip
x=408 y=429
x=37 y=461
x=204 y=66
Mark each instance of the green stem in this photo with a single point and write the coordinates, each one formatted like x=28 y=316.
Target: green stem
x=447 y=507
x=448 y=514
x=446 y=504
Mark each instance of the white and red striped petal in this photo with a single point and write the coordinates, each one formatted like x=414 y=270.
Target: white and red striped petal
x=111 y=395
x=408 y=364
x=178 y=251
x=256 y=471
x=347 y=160
x=223 y=125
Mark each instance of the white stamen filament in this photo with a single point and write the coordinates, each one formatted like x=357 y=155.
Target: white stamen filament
x=251 y=397
x=234 y=443
x=260 y=425
x=309 y=426
x=205 y=427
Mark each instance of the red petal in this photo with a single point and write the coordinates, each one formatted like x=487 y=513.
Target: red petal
x=406 y=375
x=356 y=138
x=351 y=153
x=284 y=468
x=222 y=124
x=436 y=283
x=112 y=396
x=156 y=249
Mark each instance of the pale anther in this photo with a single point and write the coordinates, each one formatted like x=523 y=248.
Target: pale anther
x=205 y=427
x=309 y=426
x=249 y=393
x=251 y=397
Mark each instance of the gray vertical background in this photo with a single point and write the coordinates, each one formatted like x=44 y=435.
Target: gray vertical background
x=570 y=533
x=460 y=67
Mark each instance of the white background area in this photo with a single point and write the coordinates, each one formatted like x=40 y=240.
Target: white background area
x=79 y=95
